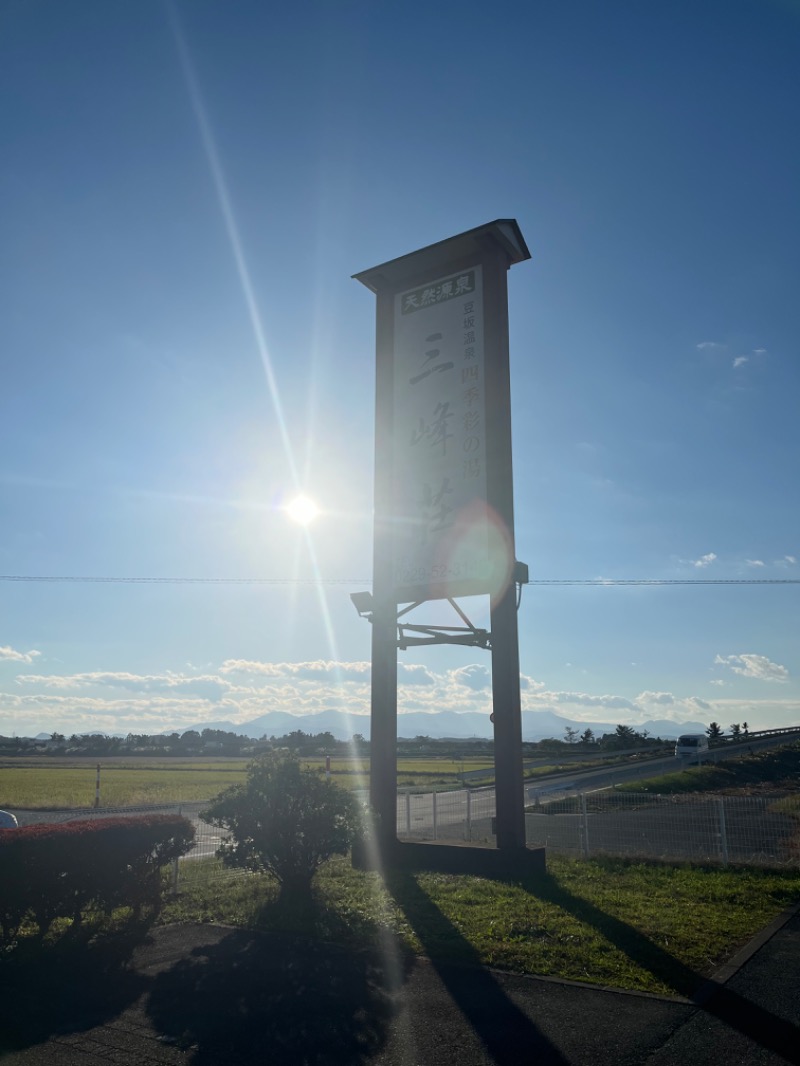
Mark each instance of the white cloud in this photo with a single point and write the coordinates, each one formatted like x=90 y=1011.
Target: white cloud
x=527 y=684
x=696 y=703
x=8 y=654
x=754 y=562
x=359 y=671
x=414 y=674
x=43 y=712
x=207 y=687
x=756 y=666
x=711 y=346
x=583 y=707
x=119 y=701
x=759 y=714
x=585 y=699
x=704 y=560
x=740 y=360
x=682 y=705
x=759 y=351
x=787 y=560
x=474 y=676
x=663 y=698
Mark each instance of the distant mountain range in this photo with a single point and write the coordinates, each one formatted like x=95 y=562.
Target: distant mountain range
x=536 y=725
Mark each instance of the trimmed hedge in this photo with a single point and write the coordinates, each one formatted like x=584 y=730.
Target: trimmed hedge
x=58 y=871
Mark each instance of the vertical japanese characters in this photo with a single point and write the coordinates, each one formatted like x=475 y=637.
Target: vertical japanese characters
x=439 y=445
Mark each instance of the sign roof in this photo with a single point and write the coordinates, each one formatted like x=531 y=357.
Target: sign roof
x=504 y=231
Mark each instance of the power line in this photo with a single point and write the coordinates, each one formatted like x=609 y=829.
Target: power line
x=186 y=580
x=311 y=581
x=668 y=581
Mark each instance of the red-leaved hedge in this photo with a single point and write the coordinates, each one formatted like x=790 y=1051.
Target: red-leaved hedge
x=57 y=871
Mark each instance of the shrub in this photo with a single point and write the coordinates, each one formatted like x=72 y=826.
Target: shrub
x=58 y=871
x=284 y=820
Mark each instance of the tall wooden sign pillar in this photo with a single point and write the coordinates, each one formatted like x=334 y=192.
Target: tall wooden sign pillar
x=444 y=511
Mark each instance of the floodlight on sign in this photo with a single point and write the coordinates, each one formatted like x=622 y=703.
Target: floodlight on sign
x=362 y=601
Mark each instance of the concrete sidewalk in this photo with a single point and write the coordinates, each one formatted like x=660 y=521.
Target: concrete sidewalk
x=213 y=996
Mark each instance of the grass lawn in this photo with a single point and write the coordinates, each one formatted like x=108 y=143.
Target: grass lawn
x=633 y=925
x=776 y=768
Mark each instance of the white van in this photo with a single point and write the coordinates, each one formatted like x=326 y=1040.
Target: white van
x=692 y=744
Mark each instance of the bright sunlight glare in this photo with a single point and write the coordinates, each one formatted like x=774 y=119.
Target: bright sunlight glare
x=302 y=510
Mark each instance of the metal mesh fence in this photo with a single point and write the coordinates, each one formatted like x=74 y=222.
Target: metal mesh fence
x=761 y=830
x=462 y=815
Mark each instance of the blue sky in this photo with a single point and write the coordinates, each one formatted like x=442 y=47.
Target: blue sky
x=186 y=191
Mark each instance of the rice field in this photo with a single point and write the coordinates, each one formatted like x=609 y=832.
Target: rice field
x=122 y=784
x=64 y=783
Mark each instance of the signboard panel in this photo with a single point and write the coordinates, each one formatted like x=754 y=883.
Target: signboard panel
x=444 y=513
x=441 y=524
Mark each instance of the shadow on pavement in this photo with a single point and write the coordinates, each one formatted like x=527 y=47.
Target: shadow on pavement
x=757 y=1023
x=496 y=1020
x=256 y=998
x=68 y=986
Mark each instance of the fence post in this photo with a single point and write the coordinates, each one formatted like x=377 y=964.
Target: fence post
x=408 y=814
x=584 y=826
x=723 y=833
x=469 y=815
x=435 y=818
x=174 y=890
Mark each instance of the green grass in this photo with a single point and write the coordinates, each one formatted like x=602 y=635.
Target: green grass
x=63 y=787
x=629 y=924
x=53 y=783
x=777 y=767
x=62 y=783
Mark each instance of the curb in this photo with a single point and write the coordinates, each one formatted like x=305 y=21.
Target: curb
x=713 y=984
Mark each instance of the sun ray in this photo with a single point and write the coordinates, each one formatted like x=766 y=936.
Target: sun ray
x=234 y=239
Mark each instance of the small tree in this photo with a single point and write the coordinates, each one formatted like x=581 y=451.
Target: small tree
x=587 y=737
x=736 y=731
x=714 y=731
x=571 y=735
x=745 y=730
x=624 y=736
x=285 y=821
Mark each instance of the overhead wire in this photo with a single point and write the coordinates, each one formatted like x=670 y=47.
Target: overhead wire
x=597 y=582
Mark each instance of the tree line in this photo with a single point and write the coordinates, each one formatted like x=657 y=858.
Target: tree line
x=221 y=742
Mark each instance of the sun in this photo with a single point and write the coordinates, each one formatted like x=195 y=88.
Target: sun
x=302 y=510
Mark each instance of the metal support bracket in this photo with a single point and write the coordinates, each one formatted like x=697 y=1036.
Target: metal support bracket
x=415 y=635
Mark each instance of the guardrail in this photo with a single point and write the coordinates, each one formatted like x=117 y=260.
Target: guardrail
x=757 y=734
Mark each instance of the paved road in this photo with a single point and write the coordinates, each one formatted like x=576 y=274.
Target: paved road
x=210 y=996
